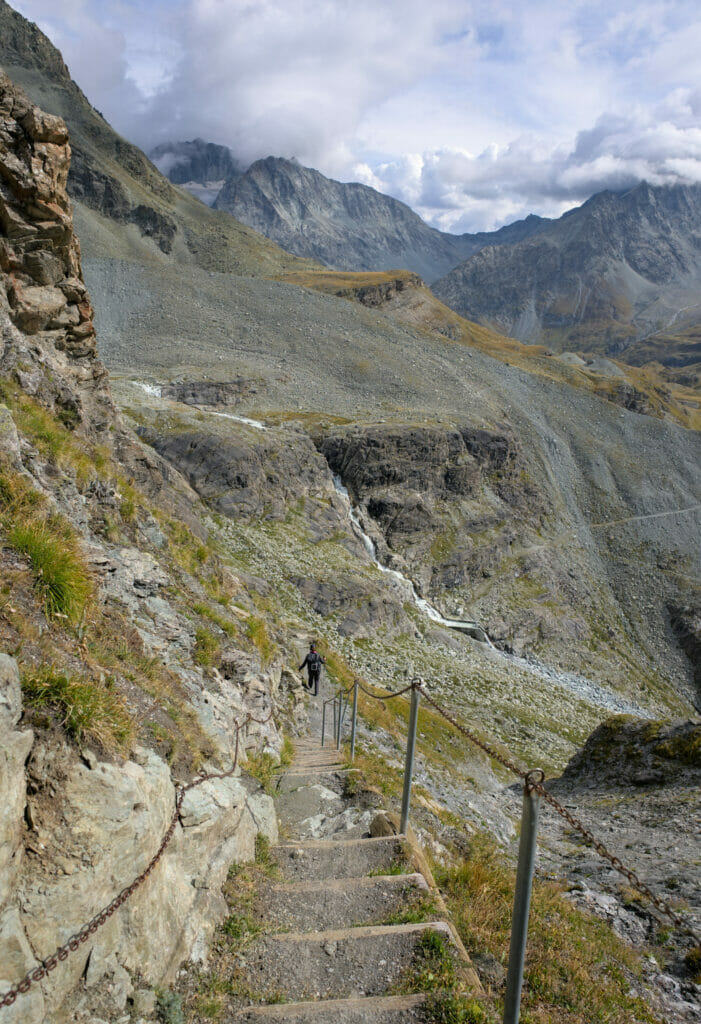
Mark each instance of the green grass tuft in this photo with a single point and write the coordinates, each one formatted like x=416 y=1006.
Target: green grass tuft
x=88 y=710
x=61 y=576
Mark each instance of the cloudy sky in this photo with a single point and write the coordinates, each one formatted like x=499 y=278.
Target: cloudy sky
x=475 y=113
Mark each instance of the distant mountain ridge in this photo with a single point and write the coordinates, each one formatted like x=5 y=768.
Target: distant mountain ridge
x=348 y=226
x=124 y=205
x=606 y=276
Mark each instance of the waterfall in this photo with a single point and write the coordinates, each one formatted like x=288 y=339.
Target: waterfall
x=473 y=629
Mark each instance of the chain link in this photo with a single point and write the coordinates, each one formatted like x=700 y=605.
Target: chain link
x=83 y=934
x=386 y=696
x=588 y=836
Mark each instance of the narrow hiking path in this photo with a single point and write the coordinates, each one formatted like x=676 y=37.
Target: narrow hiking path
x=340 y=923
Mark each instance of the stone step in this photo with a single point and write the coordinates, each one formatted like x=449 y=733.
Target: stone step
x=343 y=963
x=339 y=858
x=373 y=1010
x=340 y=902
x=298 y=778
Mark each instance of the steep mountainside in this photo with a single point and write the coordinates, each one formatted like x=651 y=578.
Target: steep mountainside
x=124 y=205
x=347 y=226
x=201 y=167
x=105 y=702
x=619 y=270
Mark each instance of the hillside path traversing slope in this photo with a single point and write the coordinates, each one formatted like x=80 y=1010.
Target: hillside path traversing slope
x=346 y=918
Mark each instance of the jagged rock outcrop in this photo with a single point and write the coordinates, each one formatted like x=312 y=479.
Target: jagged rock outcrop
x=261 y=476
x=626 y=751
x=43 y=290
x=405 y=477
x=619 y=268
x=686 y=623
x=212 y=393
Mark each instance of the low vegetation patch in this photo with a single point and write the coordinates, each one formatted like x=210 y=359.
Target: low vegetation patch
x=87 y=710
x=257 y=633
x=61 y=577
x=206 y=647
x=576 y=968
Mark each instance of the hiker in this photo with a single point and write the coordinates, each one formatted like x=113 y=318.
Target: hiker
x=313 y=661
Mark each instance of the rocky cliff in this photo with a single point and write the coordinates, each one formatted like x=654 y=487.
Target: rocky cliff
x=107 y=697
x=621 y=268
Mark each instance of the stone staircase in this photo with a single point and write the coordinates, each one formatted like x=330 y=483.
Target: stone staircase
x=327 y=954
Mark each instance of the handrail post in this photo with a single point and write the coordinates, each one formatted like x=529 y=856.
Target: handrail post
x=341 y=715
x=323 y=722
x=409 y=762
x=522 y=895
x=354 y=721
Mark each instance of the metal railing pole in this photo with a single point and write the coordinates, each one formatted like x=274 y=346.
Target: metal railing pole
x=354 y=721
x=341 y=716
x=522 y=896
x=335 y=717
x=323 y=722
x=409 y=762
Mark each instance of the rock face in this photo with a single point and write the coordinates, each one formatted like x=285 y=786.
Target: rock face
x=211 y=393
x=102 y=827
x=349 y=226
x=261 y=476
x=200 y=167
x=345 y=226
x=686 y=623
x=420 y=491
x=43 y=294
x=197 y=162
x=626 y=751
x=613 y=271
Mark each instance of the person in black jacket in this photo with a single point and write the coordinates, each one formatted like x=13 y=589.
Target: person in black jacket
x=313 y=661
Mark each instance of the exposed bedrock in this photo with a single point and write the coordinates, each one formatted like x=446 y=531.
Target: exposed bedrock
x=211 y=392
x=431 y=489
x=686 y=623
x=250 y=476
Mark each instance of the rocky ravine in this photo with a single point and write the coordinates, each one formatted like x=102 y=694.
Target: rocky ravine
x=79 y=822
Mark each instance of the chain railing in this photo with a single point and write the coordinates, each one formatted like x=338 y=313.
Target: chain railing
x=586 y=834
x=73 y=943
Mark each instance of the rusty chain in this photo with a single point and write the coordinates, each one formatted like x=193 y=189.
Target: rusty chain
x=74 y=942
x=385 y=696
x=588 y=836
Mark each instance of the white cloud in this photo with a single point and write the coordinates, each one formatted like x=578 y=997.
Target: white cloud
x=473 y=112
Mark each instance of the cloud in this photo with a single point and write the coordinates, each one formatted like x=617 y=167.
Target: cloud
x=457 y=190
x=473 y=112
